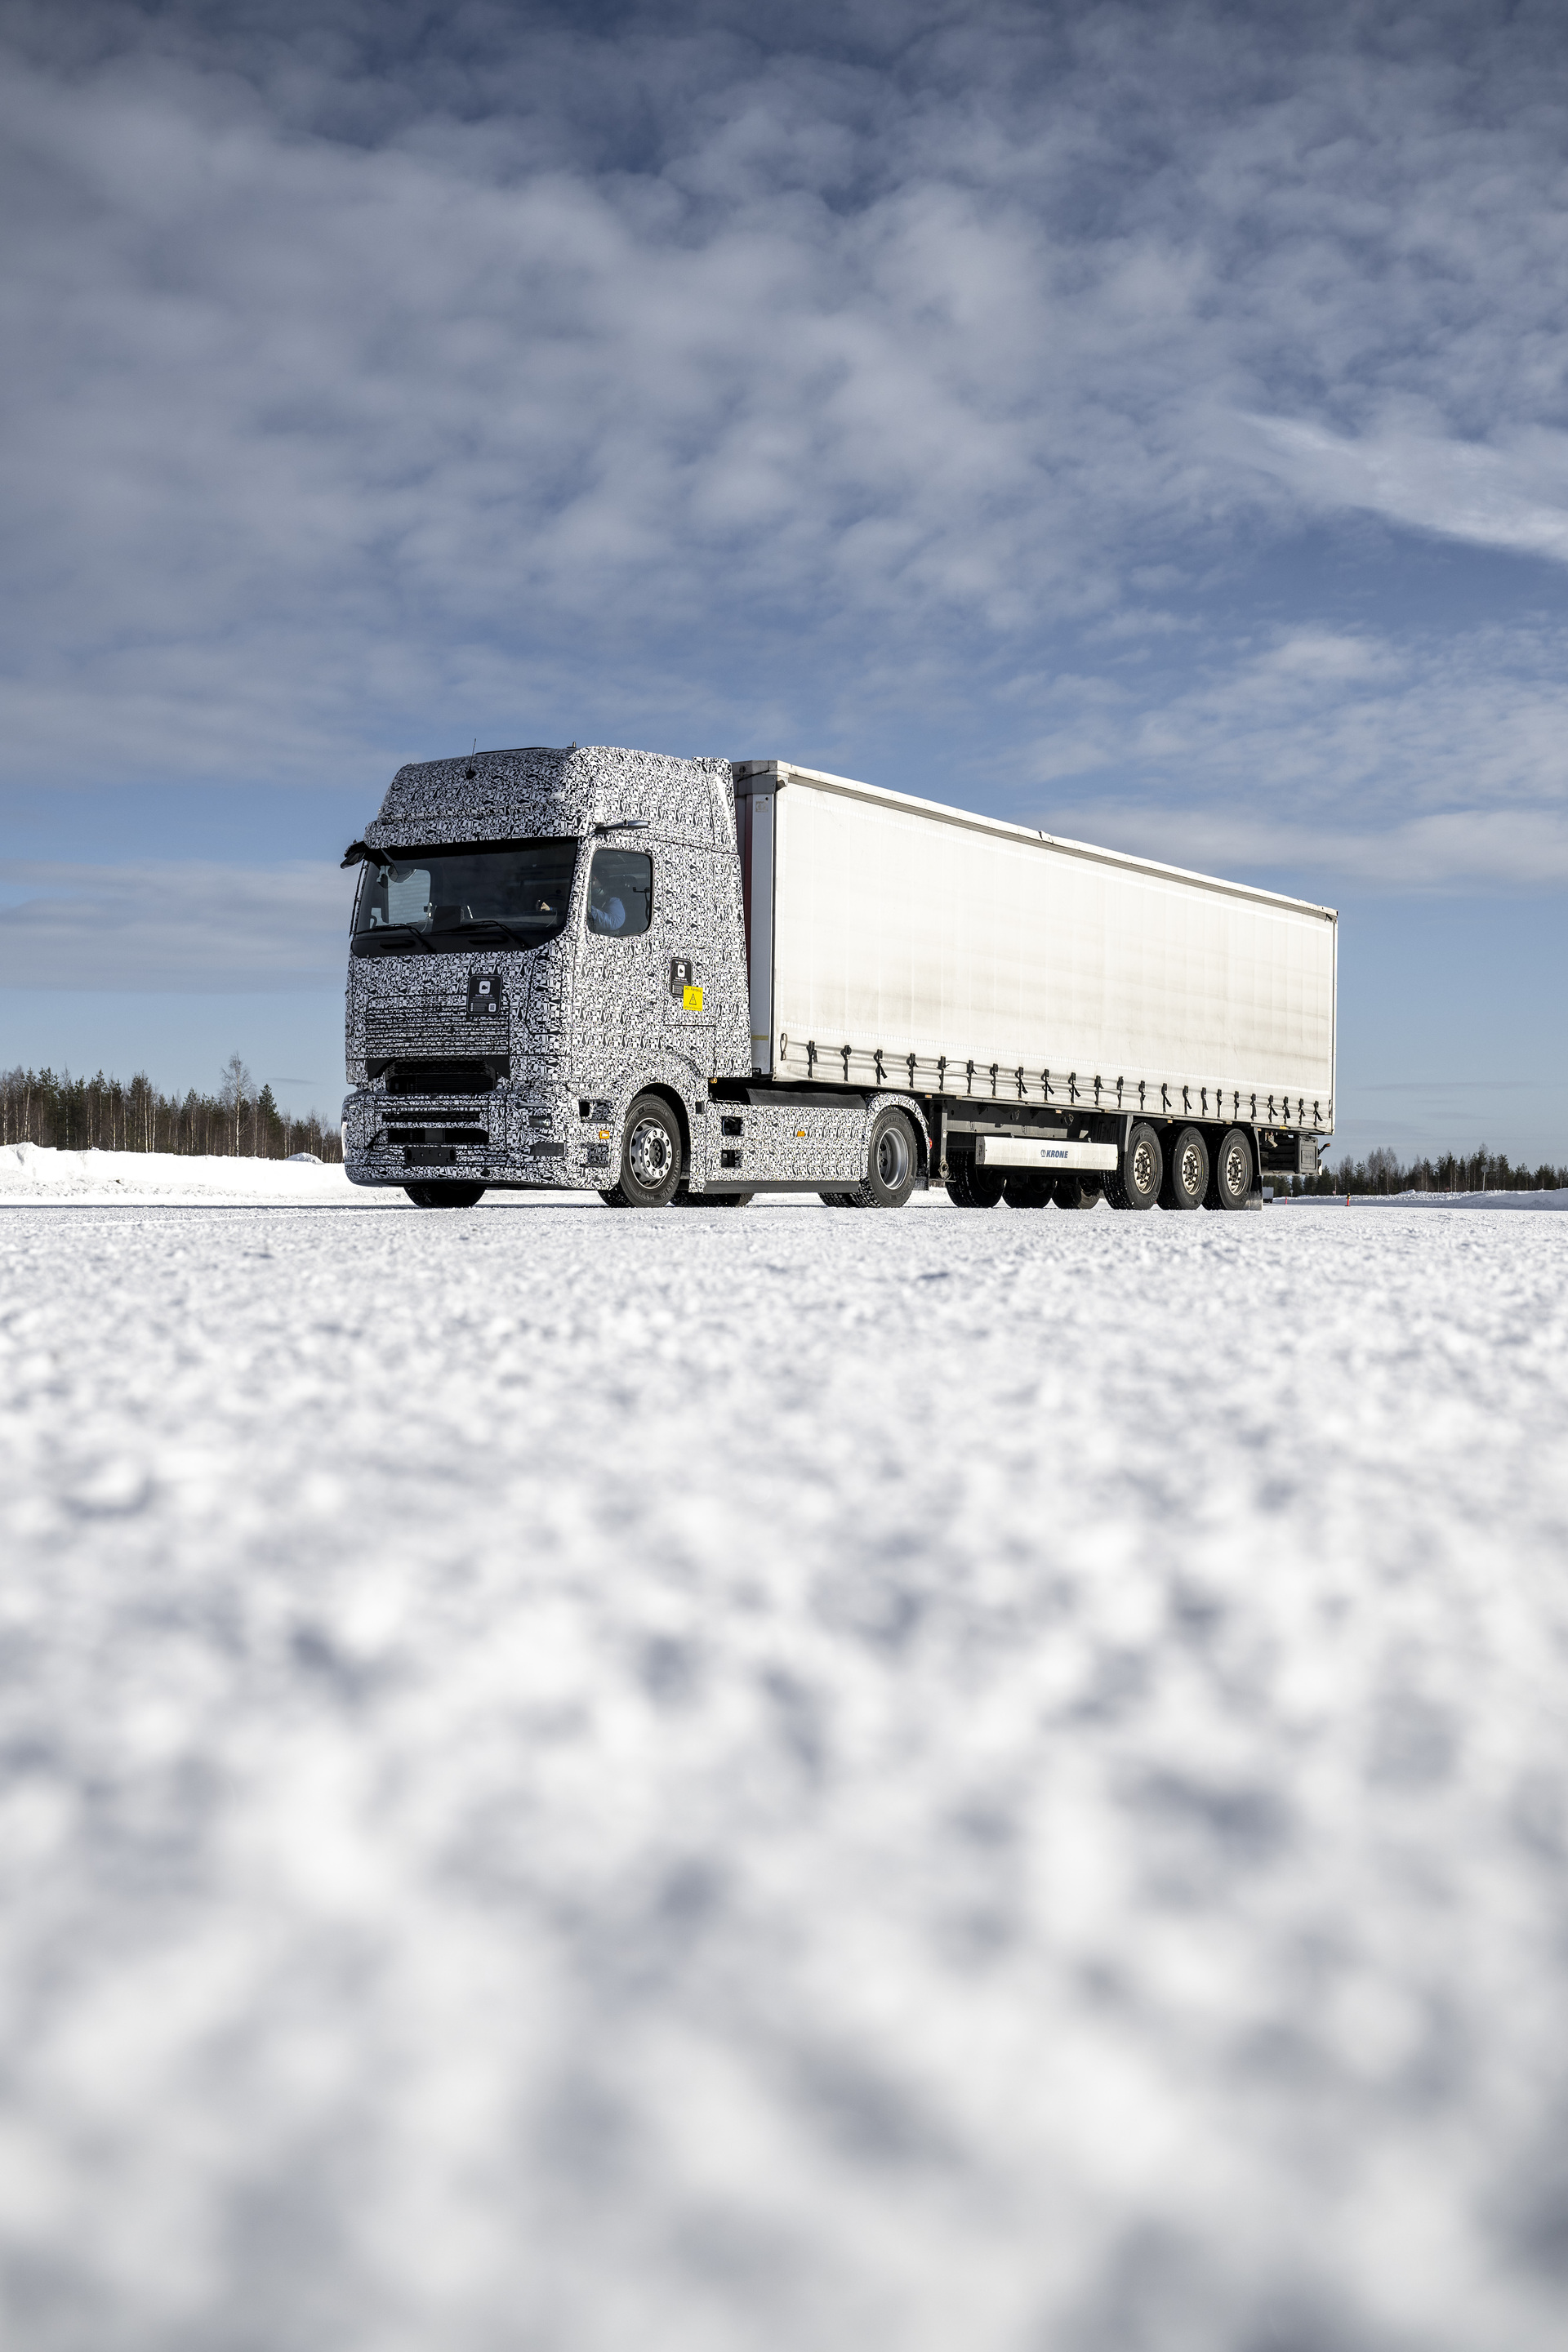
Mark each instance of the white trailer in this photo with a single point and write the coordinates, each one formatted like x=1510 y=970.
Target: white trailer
x=893 y=940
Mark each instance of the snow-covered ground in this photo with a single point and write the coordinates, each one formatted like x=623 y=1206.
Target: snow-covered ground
x=1557 y=1199
x=783 y=1779
x=29 y=1172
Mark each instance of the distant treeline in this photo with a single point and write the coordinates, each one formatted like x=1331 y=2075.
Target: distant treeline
x=1481 y=1171
x=241 y=1120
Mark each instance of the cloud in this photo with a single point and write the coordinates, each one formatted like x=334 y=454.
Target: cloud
x=193 y=927
x=371 y=376
x=1346 y=754
x=1514 y=497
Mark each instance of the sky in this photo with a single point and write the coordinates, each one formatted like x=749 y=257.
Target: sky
x=1146 y=422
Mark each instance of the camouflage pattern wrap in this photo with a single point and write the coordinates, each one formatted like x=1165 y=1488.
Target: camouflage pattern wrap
x=570 y=1032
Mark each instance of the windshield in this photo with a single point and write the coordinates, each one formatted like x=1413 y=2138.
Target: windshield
x=521 y=893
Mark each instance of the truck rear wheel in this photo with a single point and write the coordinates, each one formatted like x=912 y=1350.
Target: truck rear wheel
x=1027 y=1188
x=445 y=1196
x=969 y=1187
x=650 y=1156
x=1136 y=1183
x=1074 y=1191
x=1186 y=1171
x=889 y=1163
x=1230 y=1180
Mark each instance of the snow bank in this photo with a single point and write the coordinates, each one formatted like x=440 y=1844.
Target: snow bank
x=788 y=1781
x=1430 y=1200
x=31 y=1171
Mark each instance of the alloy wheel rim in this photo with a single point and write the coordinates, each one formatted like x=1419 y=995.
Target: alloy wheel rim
x=649 y=1154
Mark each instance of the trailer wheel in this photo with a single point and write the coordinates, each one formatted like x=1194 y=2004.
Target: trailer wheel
x=969 y=1187
x=1186 y=1171
x=1136 y=1183
x=1027 y=1188
x=890 y=1164
x=1230 y=1179
x=651 y=1158
x=1074 y=1191
x=445 y=1196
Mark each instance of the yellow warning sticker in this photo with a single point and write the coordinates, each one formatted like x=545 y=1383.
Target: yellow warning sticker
x=603 y=1135
x=691 y=1000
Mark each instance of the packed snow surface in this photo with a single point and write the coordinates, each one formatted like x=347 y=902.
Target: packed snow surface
x=783 y=1779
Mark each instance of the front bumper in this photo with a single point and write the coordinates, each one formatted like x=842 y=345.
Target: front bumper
x=495 y=1139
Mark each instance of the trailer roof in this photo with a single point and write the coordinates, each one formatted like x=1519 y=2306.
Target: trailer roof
x=784 y=771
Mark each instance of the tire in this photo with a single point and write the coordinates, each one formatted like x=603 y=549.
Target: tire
x=1078 y=1189
x=892 y=1161
x=651 y=1158
x=1230 y=1178
x=836 y=1200
x=685 y=1198
x=445 y=1196
x=1186 y=1171
x=969 y=1187
x=1137 y=1181
x=1027 y=1188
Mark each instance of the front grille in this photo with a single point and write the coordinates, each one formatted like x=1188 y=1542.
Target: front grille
x=444 y=1077
x=437 y=1135
x=396 y=1029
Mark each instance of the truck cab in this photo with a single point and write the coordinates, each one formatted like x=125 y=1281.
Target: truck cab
x=540 y=938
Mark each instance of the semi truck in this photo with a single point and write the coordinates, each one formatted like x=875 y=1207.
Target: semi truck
x=682 y=982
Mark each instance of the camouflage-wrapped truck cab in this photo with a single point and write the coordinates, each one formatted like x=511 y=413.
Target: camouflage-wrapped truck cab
x=491 y=1044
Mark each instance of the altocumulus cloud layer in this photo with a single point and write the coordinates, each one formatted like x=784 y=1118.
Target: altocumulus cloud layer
x=818 y=380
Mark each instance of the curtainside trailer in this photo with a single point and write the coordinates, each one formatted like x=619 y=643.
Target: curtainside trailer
x=675 y=980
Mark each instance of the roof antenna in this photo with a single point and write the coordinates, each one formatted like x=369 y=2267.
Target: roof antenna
x=475 y=747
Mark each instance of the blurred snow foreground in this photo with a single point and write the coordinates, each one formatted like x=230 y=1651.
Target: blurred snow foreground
x=783 y=1780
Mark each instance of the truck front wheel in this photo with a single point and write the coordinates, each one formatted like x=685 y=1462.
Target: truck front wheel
x=1230 y=1184
x=650 y=1156
x=445 y=1196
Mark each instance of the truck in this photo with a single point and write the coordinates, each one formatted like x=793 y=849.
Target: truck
x=686 y=981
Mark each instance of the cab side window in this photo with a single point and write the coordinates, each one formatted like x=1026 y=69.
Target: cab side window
x=620 y=893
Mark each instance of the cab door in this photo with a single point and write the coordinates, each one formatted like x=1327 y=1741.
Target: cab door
x=617 y=1012
x=685 y=923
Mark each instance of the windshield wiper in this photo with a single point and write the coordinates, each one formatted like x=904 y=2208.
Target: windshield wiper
x=382 y=931
x=495 y=923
